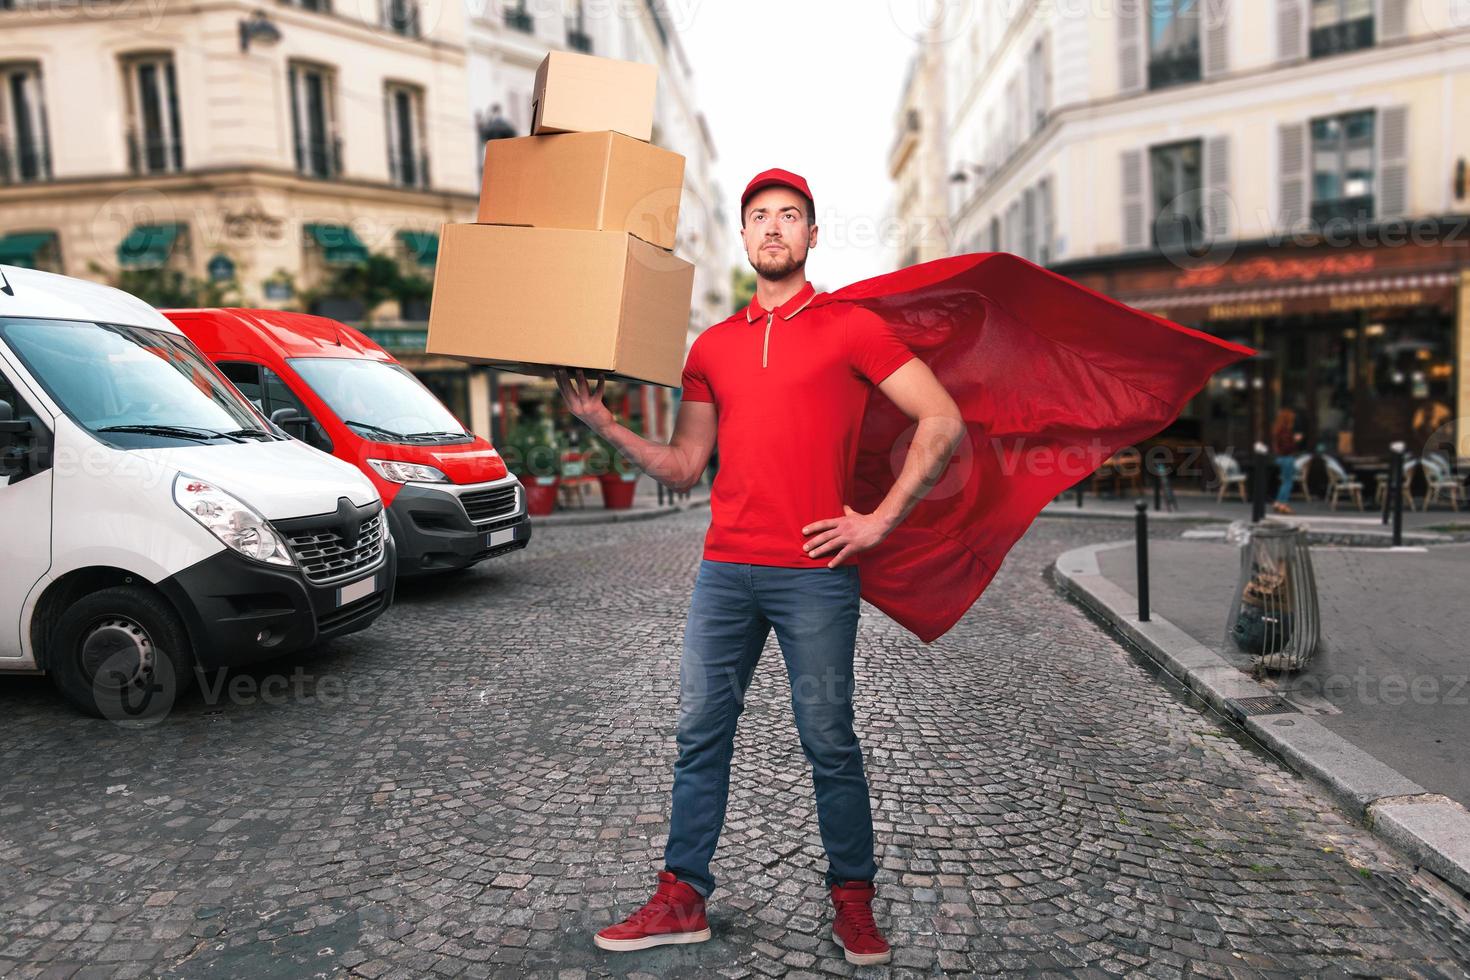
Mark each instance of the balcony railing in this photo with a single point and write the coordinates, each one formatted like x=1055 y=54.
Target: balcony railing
x=520 y=19
x=320 y=157
x=1351 y=210
x=152 y=153
x=1342 y=37
x=408 y=171
x=1176 y=67
x=402 y=17
x=23 y=164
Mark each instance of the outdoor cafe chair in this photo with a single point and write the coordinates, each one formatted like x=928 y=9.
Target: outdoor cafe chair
x=1229 y=473
x=1339 y=482
x=1380 y=493
x=1299 y=483
x=1442 y=481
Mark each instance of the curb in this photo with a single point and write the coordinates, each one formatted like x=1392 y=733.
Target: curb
x=572 y=518
x=1432 y=830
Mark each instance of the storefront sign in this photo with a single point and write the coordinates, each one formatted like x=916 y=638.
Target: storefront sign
x=1369 y=301
x=221 y=269
x=1266 y=269
x=1245 y=311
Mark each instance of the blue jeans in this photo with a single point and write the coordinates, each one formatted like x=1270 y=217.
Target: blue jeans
x=815 y=614
x=1287 y=466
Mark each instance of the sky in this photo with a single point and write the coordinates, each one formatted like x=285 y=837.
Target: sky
x=810 y=86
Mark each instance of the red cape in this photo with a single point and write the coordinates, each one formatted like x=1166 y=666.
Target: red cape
x=1051 y=377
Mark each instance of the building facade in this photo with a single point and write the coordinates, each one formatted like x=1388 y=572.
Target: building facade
x=916 y=161
x=1286 y=173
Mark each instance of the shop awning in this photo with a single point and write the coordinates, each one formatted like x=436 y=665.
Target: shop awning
x=1432 y=288
x=339 y=243
x=21 y=248
x=422 y=245
x=148 y=246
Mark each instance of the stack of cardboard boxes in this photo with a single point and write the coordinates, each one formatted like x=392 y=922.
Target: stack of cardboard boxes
x=570 y=262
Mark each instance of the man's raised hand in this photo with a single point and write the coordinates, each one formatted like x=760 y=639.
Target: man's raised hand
x=583 y=401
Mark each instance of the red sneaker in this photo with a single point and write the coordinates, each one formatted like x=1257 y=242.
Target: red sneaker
x=675 y=914
x=853 y=928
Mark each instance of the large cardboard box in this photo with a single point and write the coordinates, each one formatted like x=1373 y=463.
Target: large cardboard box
x=529 y=299
x=582 y=93
x=595 y=181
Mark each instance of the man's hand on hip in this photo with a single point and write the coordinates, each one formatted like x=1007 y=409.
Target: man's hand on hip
x=846 y=535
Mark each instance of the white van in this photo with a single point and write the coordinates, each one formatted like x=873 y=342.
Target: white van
x=153 y=520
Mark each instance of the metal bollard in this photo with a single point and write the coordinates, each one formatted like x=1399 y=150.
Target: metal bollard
x=1158 y=472
x=1258 y=487
x=1140 y=535
x=1396 y=490
x=1079 y=496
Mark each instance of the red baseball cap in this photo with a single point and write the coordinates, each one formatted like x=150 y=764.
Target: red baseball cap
x=776 y=178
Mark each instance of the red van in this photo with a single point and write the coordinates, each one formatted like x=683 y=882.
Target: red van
x=450 y=500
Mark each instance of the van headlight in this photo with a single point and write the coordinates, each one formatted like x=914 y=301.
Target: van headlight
x=397 y=471
x=231 y=520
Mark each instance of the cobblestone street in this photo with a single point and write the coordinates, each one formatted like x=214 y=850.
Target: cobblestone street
x=480 y=781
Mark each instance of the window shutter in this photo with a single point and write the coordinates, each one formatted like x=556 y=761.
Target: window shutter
x=1216 y=33
x=1291 y=30
x=1046 y=202
x=1013 y=227
x=1130 y=46
x=1133 y=192
x=1028 y=223
x=1393 y=157
x=1292 y=143
x=1392 y=19
x=1216 y=210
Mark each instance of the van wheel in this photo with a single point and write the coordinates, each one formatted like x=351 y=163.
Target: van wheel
x=121 y=653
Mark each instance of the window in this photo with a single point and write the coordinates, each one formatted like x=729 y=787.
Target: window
x=518 y=18
x=1342 y=167
x=1339 y=26
x=319 y=6
x=1173 y=42
x=408 y=163
x=155 y=141
x=1038 y=82
x=1177 y=195
x=314 y=121
x=577 y=37
x=269 y=394
x=25 y=153
x=401 y=17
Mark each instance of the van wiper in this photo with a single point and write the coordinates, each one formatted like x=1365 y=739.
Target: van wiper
x=446 y=434
x=178 y=431
x=250 y=431
x=375 y=428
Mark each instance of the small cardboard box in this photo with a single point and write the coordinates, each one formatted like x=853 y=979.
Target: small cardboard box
x=594 y=181
x=529 y=299
x=582 y=93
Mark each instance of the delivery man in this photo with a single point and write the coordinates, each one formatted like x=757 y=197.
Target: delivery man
x=782 y=385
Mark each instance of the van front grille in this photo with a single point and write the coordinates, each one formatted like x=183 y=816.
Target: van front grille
x=324 y=555
x=489 y=505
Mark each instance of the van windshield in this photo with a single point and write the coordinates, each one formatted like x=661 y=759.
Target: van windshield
x=382 y=402
x=135 y=386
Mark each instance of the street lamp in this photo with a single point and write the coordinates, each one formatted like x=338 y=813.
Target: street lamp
x=258 y=28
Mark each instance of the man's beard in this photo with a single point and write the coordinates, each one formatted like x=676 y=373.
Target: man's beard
x=777 y=266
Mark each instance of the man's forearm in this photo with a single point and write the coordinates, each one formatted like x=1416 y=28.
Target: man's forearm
x=668 y=464
x=935 y=440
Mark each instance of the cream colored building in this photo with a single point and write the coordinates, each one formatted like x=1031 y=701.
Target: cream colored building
x=267 y=147
x=1288 y=173
x=916 y=161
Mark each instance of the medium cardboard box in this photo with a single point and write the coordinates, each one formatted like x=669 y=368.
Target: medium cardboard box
x=595 y=181
x=529 y=299
x=582 y=93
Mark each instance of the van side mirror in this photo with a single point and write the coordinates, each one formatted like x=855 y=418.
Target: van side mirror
x=14 y=441
x=292 y=421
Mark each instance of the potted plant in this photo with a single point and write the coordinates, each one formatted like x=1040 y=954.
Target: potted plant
x=536 y=461
x=615 y=472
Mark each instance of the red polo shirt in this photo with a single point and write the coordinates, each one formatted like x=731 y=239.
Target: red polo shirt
x=790 y=386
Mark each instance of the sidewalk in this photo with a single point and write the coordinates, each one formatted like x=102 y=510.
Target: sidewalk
x=1347 y=523
x=1382 y=712
x=646 y=504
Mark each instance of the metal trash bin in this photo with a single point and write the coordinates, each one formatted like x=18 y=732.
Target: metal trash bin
x=1274 y=615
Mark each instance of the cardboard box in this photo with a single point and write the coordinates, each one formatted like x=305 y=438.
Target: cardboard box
x=582 y=93
x=594 y=181
x=529 y=299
